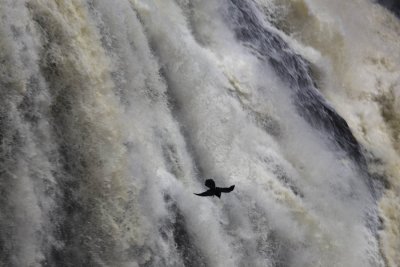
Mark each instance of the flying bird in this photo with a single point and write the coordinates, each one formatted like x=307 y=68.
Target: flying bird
x=215 y=191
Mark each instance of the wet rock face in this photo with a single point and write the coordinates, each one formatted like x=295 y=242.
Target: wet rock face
x=392 y=5
x=294 y=70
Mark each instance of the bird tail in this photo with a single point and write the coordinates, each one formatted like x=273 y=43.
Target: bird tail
x=228 y=189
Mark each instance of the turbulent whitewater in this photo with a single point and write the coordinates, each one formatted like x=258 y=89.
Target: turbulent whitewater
x=113 y=113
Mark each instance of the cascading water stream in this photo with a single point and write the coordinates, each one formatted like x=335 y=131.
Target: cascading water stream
x=113 y=113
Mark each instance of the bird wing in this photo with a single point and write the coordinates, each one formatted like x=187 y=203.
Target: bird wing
x=206 y=193
x=227 y=189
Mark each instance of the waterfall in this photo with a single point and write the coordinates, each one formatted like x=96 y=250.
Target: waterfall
x=113 y=113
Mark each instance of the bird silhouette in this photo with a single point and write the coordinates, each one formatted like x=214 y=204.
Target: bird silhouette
x=215 y=191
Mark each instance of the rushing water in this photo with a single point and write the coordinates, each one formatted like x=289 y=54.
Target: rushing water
x=113 y=113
